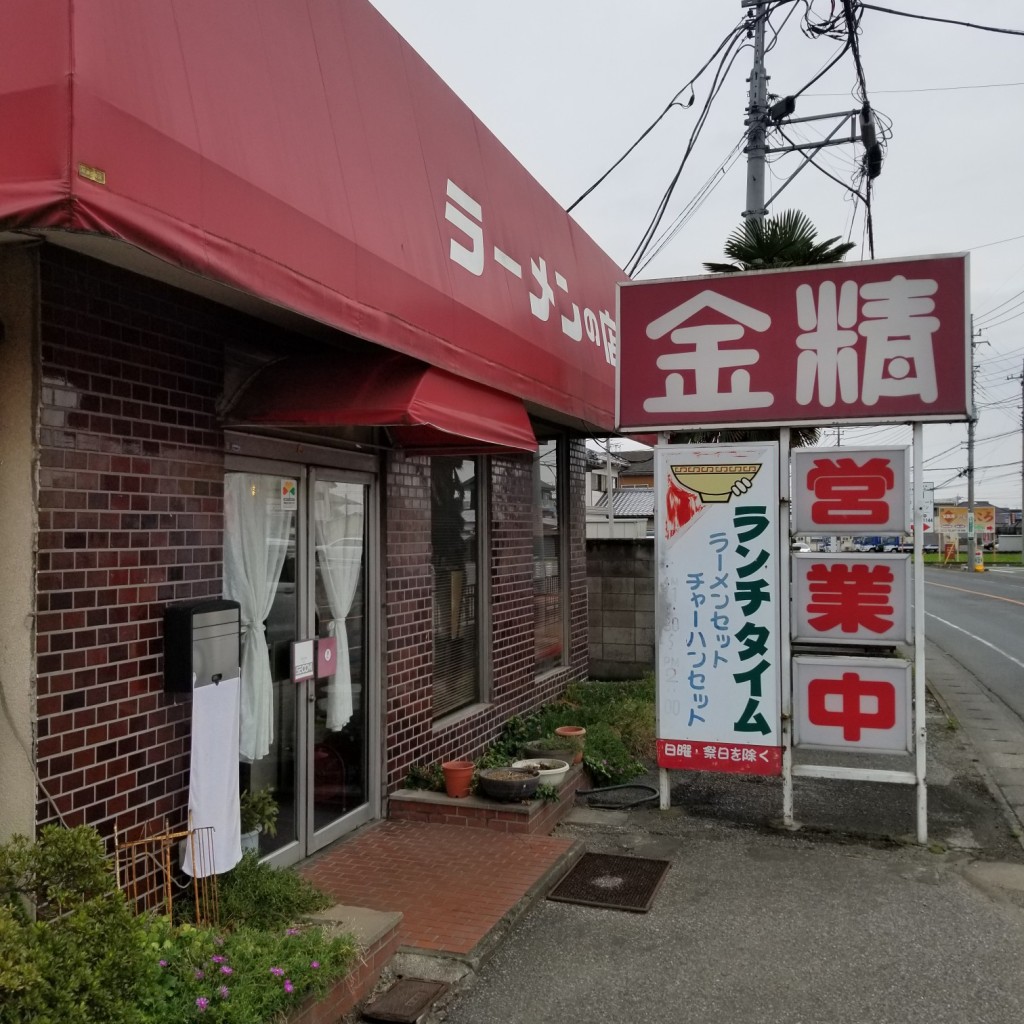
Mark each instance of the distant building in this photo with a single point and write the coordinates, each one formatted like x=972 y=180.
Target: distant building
x=639 y=471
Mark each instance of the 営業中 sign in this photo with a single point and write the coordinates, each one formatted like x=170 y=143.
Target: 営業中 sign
x=852 y=703
x=857 y=599
x=851 y=490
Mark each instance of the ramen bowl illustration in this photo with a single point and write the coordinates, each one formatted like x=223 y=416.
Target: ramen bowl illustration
x=715 y=483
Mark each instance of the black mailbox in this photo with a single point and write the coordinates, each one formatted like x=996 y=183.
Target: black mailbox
x=202 y=644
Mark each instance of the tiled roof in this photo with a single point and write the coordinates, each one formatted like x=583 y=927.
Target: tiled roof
x=631 y=502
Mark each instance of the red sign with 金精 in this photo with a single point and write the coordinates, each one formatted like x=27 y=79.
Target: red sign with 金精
x=846 y=342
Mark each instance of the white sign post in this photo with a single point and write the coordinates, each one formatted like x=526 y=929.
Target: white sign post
x=717 y=617
x=875 y=342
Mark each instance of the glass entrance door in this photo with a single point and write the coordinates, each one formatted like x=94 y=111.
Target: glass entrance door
x=298 y=551
x=339 y=704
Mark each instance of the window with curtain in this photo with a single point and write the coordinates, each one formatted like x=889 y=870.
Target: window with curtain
x=259 y=532
x=549 y=624
x=455 y=563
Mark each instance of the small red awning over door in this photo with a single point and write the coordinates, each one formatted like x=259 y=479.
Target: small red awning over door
x=423 y=408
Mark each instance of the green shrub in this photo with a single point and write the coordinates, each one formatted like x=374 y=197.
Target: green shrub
x=607 y=758
x=82 y=958
x=425 y=776
x=253 y=894
x=258 y=810
x=247 y=976
x=629 y=708
x=72 y=951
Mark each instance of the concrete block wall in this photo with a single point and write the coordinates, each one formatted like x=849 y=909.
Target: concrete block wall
x=620 y=581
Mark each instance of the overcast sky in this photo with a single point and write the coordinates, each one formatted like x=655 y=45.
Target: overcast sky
x=568 y=86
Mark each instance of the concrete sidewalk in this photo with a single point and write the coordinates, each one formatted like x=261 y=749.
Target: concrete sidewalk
x=846 y=920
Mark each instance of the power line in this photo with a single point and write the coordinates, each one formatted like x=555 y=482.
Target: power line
x=828 y=174
x=937 y=88
x=943 y=21
x=733 y=35
x=695 y=203
x=999 y=323
x=990 y=312
x=721 y=74
x=1001 y=241
x=828 y=67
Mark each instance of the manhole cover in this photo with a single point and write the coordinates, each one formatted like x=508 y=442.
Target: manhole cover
x=406 y=1001
x=619 y=883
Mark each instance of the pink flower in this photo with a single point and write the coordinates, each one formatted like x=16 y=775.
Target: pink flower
x=202 y=1002
x=226 y=970
x=218 y=959
x=200 y=975
x=277 y=971
x=163 y=963
x=223 y=992
x=288 y=986
x=315 y=964
x=291 y=931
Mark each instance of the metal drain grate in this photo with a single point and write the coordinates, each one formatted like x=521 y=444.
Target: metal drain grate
x=619 y=883
x=406 y=1001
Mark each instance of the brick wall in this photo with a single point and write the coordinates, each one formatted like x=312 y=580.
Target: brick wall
x=130 y=518
x=515 y=688
x=621 y=581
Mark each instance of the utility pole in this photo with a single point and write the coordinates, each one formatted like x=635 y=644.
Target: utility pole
x=1020 y=522
x=757 y=116
x=761 y=116
x=971 y=542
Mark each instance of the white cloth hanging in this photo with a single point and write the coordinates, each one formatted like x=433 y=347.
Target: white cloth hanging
x=256 y=536
x=338 y=525
x=213 y=779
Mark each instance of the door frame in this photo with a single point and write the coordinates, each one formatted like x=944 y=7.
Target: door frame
x=369 y=809
x=276 y=456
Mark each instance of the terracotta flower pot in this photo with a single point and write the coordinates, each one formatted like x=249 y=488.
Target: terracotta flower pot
x=576 y=732
x=458 y=777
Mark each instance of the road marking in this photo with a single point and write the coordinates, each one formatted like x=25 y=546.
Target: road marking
x=976 y=593
x=1009 y=657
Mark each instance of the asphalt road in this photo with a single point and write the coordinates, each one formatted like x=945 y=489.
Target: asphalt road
x=978 y=620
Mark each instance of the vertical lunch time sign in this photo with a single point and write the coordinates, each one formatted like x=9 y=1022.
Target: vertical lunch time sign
x=718 y=608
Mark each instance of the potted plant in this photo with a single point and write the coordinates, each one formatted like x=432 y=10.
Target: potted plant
x=552 y=770
x=576 y=733
x=556 y=748
x=508 y=784
x=259 y=812
x=458 y=777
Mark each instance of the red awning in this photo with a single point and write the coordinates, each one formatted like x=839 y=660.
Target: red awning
x=423 y=408
x=304 y=154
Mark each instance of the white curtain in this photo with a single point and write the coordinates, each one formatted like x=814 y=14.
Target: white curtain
x=256 y=537
x=339 y=551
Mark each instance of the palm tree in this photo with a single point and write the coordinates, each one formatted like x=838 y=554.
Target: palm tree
x=787 y=240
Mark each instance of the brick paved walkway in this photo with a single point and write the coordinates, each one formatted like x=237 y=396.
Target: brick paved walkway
x=452 y=884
